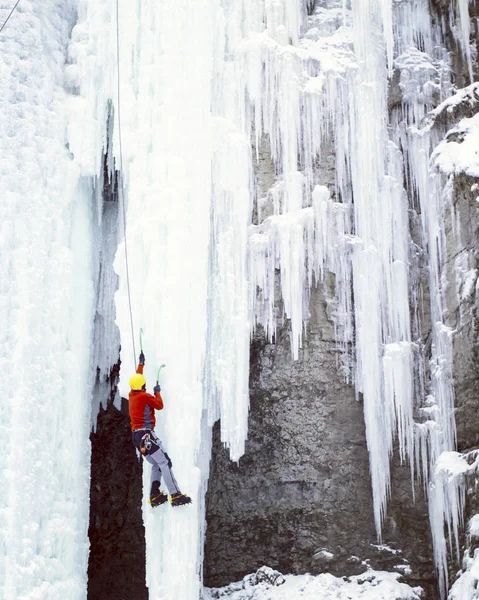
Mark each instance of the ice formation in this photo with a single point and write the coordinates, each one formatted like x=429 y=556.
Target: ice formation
x=465 y=586
x=446 y=506
x=47 y=303
x=202 y=88
x=464 y=27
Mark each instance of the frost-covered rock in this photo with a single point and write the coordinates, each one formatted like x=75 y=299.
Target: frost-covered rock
x=264 y=575
x=459 y=152
x=373 y=585
x=464 y=103
x=263 y=579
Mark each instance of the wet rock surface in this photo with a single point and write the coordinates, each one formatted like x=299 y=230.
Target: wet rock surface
x=116 y=569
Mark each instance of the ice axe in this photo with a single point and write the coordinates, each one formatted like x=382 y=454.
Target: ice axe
x=141 y=348
x=158 y=373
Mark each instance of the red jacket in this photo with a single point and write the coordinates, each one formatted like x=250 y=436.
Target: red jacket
x=142 y=407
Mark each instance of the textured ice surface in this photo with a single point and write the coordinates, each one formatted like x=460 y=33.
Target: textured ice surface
x=199 y=81
x=46 y=305
x=446 y=508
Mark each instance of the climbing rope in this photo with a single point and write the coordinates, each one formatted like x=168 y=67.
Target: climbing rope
x=121 y=191
x=11 y=13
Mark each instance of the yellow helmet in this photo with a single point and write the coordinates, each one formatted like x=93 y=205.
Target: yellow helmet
x=137 y=381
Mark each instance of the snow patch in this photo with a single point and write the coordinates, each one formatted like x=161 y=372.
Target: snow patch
x=459 y=152
x=373 y=585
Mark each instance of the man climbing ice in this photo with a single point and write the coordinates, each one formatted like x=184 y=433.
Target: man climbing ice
x=142 y=417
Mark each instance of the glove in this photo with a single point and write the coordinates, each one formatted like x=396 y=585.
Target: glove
x=142 y=358
x=157 y=388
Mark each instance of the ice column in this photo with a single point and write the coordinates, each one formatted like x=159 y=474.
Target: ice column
x=436 y=436
x=186 y=177
x=168 y=236
x=380 y=278
x=438 y=432
x=447 y=498
x=46 y=304
x=227 y=365
x=462 y=12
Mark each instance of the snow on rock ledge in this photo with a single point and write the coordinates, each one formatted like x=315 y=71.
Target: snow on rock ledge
x=459 y=151
x=267 y=584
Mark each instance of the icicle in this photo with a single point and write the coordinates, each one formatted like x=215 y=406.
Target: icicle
x=412 y=27
x=462 y=11
x=281 y=242
x=386 y=7
x=446 y=507
x=332 y=253
x=445 y=498
x=379 y=264
x=432 y=213
x=227 y=373
x=398 y=401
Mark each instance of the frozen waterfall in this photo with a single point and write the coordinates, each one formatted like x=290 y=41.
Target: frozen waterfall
x=47 y=302
x=204 y=87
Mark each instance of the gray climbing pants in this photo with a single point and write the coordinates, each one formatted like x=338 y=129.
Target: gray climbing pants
x=159 y=460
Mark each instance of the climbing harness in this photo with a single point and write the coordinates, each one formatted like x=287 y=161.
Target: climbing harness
x=121 y=190
x=145 y=444
x=11 y=13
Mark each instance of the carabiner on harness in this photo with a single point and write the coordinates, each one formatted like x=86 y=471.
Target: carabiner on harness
x=145 y=444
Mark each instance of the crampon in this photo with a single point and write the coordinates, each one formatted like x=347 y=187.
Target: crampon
x=180 y=499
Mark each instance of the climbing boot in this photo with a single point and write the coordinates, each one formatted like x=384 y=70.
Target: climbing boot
x=180 y=499
x=161 y=498
x=157 y=497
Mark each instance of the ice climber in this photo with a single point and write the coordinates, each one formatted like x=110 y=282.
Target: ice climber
x=142 y=417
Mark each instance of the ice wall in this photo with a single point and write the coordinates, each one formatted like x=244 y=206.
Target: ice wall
x=203 y=87
x=332 y=87
x=46 y=299
x=187 y=188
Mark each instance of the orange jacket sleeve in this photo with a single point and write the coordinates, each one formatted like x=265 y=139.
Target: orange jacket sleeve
x=157 y=401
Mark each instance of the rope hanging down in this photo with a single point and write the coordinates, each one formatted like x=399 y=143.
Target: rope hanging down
x=121 y=191
x=11 y=13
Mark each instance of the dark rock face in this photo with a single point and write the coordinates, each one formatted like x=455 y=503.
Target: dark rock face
x=116 y=569
x=299 y=500
x=463 y=307
x=462 y=270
